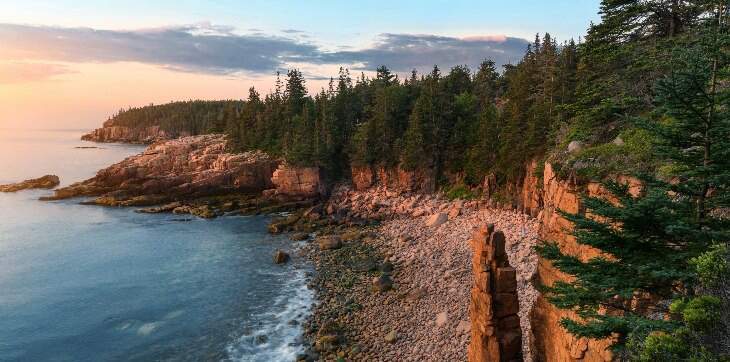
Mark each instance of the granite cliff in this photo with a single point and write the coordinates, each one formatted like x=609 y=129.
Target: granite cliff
x=182 y=168
x=141 y=135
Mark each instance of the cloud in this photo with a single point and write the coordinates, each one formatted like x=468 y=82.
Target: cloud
x=403 y=52
x=215 y=49
x=19 y=72
x=200 y=48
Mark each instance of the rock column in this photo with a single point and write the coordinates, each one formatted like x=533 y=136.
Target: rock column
x=495 y=325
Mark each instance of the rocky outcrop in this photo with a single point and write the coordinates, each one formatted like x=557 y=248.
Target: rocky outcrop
x=531 y=192
x=144 y=135
x=182 y=168
x=298 y=182
x=45 y=182
x=495 y=324
x=551 y=342
x=398 y=179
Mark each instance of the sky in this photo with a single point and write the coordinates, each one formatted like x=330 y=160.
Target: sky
x=73 y=63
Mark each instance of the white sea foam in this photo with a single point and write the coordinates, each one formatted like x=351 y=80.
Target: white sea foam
x=147 y=328
x=281 y=341
x=174 y=314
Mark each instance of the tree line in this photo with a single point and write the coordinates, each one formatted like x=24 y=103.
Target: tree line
x=462 y=125
x=187 y=117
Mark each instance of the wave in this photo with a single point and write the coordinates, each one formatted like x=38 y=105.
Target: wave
x=276 y=335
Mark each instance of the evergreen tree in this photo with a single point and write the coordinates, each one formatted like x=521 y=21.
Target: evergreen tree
x=485 y=84
x=296 y=92
x=482 y=151
x=416 y=154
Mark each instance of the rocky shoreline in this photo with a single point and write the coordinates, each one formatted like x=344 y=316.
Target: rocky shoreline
x=400 y=289
x=393 y=268
x=111 y=133
x=187 y=167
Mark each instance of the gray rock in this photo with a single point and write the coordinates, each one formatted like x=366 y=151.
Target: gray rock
x=383 y=283
x=261 y=339
x=575 y=146
x=329 y=242
x=618 y=141
x=437 y=219
x=299 y=236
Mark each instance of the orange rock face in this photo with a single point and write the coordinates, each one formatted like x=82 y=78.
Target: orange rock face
x=495 y=325
x=550 y=341
x=397 y=179
x=530 y=196
x=298 y=181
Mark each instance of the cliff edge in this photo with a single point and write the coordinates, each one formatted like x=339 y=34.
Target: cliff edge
x=111 y=133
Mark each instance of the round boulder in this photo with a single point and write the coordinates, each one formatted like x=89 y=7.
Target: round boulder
x=575 y=146
x=280 y=257
x=329 y=242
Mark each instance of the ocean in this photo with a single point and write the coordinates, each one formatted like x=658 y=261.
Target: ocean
x=89 y=283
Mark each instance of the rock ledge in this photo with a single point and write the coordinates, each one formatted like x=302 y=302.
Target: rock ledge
x=45 y=182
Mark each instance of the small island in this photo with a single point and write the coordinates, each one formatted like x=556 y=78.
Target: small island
x=44 y=182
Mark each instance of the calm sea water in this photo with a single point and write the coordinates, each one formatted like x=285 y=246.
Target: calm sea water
x=87 y=283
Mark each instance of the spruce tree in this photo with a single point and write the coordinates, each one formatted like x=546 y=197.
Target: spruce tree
x=485 y=84
x=416 y=153
x=482 y=150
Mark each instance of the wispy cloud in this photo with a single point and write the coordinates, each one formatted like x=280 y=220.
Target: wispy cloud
x=20 y=72
x=208 y=48
x=403 y=52
x=201 y=48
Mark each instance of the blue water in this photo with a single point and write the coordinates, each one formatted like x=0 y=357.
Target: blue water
x=87 y=283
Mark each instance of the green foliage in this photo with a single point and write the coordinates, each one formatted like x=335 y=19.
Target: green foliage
x=456 y=124
x=661 y=346
x=461 y=192
x=181 y=118
x=701 y=313
x=634 y=155
x=712 y=266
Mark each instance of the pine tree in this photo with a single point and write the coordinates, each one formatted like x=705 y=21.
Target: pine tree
x=694 y=131
x=483 y=148
x=485 y=84
x=416 y=154
x=296 y=92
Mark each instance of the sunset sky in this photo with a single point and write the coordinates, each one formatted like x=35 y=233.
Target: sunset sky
x=70 y=64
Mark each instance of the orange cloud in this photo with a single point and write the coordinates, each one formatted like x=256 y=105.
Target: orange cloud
x=499 y=38
x=18 y=72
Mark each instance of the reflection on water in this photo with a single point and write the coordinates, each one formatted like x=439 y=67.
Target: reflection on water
x=28 y=154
